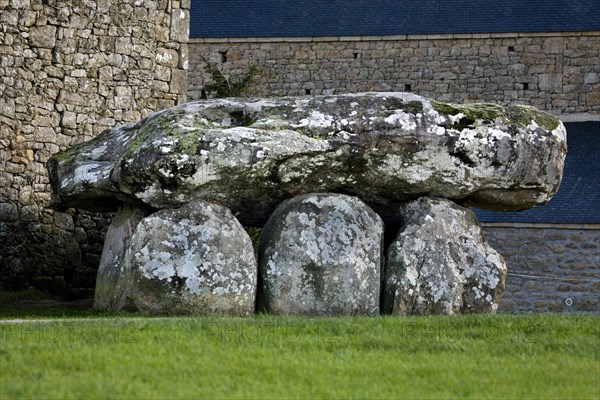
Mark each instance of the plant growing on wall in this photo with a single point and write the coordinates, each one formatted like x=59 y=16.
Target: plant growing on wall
x=239 y=85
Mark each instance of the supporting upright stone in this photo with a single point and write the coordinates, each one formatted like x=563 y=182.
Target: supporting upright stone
x=197 y=259
x=321 y=254
x=109 y=293
x=440 y=263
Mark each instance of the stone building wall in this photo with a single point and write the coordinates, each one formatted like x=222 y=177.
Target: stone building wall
x=558 y=72
x=550 y=268
x=68 y=70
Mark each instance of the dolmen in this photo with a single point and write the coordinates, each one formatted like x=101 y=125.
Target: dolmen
x=362 y=200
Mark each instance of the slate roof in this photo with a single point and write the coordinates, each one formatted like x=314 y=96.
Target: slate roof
x=578 y=198
x=268 y=18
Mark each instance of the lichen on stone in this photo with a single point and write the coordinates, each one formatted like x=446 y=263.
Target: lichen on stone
x=488 y=113
x=383 y=147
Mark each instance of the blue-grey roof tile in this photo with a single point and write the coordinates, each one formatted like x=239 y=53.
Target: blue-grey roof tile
x=268 y=18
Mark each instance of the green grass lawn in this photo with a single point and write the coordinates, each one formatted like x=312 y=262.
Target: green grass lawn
x=503 y=356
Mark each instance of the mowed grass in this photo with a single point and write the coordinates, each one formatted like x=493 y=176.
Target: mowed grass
x=502 y=356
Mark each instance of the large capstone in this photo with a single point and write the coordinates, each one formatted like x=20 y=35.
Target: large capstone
x=440 y=263
x=197 y=259
x=321 y=254
x=385 y=148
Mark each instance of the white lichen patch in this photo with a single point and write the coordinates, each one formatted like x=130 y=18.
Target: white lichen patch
x=454 y=119
x=560 y=133
x=152 y=192
x=87 y=174
x=403 y=119
x=96 y=153
x=498 y=134
x=163 y=57
x=181 y=160
x=533 y=126
x=324 y=258
x=434 y=117
x=261 y=153
x=198 y=256
x=165 y=145
x=316 y=120
x=440 y=263
x=437 y=130
x=166 y=173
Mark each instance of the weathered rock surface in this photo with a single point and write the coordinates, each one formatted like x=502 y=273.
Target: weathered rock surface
x=110 y=290
x=385 y=148
x=197 y=259
x=321 y=254
x=440 y=263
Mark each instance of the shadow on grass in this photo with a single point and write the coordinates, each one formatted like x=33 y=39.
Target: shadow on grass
x=31 y=304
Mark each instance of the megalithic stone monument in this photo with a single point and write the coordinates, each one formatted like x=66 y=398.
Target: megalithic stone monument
x=250 y=155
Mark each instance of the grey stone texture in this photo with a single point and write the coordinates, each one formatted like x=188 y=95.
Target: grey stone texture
x=196 y=260
x=550 y=269
x=69 y=70
x=556 y=72
x=385 y=148
x=321 y=254
x=440 y=264
x=110 y=290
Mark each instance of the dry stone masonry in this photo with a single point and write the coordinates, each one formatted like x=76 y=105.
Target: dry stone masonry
x=556 y=72
x=68 y=70
x=324 y=173
x=536 y=255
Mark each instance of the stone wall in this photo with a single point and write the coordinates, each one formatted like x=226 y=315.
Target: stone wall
x=550 y=268
x=558 y=72
x=68 y=70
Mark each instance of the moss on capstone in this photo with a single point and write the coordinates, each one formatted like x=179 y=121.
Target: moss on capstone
x=187 y=143
x=526 y=114
x=547 y=121
x=488 y=113
x=163 y=125
x=481 y=111
x=484 y=112
x=68 y=153
x=445 y=108
x=414 y=107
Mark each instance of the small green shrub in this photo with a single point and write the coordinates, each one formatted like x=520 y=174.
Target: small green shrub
x=242 y=85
